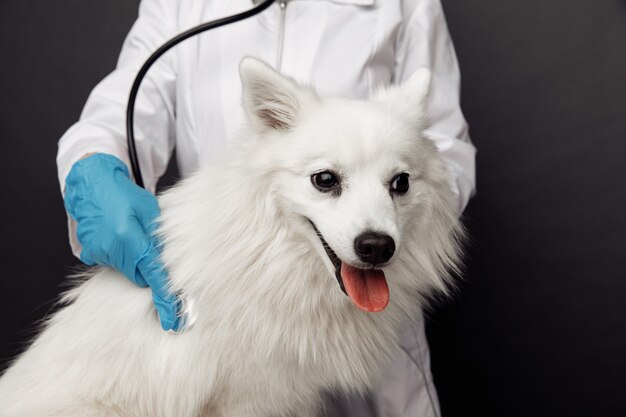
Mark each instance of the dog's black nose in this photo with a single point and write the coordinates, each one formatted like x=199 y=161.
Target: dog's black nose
x=374 y=248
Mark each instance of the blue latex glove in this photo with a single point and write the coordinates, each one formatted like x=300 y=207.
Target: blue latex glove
x=116 y=224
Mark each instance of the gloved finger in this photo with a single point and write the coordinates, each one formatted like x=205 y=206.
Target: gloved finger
x=153 y=272
x=126 y=249
x=85 y=232
x=169 y=316
x=148 y=213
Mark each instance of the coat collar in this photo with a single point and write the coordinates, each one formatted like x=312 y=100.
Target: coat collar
x=353 y=2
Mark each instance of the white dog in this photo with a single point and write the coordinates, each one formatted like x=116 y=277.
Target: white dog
x=321 y=198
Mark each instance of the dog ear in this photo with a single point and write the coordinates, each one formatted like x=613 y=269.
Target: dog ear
x=409 y=99
x=271 y=101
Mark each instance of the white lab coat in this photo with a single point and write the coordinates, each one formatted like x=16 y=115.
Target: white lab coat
x=191 y=98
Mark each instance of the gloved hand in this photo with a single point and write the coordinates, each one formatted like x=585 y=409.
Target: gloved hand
x=116 y=224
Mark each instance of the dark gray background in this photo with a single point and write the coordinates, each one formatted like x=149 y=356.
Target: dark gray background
x=538 y=327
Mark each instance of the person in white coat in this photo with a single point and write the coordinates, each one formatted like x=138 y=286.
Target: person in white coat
x=190 y=100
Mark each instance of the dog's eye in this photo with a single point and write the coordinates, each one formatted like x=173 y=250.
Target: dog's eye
x=325 y=181
x=400 y=183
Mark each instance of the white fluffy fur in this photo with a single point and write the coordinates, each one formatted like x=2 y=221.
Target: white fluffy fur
x=273 y=329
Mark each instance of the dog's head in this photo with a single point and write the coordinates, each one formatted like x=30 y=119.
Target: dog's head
x=358 y=177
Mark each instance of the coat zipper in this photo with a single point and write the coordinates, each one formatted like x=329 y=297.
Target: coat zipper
x=281 y=33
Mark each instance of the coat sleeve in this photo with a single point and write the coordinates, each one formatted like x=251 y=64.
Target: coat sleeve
x=424 y=41
x=101 y=127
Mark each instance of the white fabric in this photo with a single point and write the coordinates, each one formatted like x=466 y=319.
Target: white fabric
x=191 y=98
x=406 y=390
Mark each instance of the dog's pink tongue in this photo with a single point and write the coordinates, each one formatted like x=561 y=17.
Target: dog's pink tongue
x=367 y=288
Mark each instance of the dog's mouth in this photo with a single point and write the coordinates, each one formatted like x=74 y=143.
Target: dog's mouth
x=366 y=288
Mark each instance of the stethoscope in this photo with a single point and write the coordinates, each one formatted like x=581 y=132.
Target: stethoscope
x=187 y=314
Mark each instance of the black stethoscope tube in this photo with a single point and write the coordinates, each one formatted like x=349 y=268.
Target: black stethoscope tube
x=130 y=109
